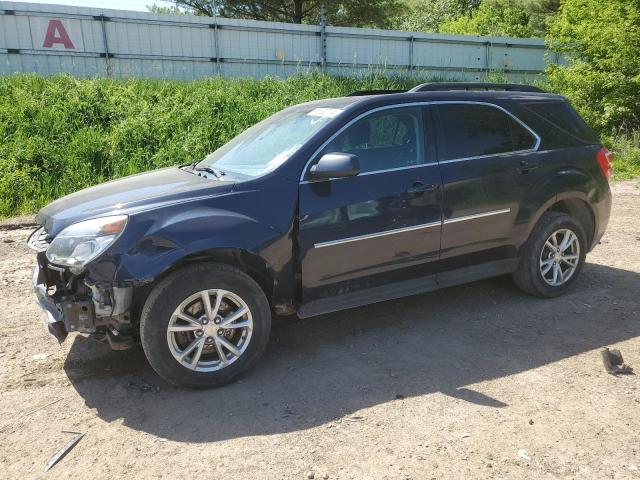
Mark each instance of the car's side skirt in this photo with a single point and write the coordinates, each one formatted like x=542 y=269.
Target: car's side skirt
x=407 y=287
x=477 y=272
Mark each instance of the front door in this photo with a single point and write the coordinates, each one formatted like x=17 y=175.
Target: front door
x=381 y=226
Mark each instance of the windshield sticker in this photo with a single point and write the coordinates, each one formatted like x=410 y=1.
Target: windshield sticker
x=325 y=112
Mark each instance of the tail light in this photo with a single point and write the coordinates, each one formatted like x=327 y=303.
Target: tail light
x=605 y=160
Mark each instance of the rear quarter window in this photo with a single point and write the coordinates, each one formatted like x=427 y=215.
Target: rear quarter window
x=563 y=118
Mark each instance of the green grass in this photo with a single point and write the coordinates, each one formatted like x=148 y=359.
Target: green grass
x=626 y=150
x=60 y=134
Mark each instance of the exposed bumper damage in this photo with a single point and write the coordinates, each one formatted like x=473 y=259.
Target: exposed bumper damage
x=51 y=313
x=69 y=305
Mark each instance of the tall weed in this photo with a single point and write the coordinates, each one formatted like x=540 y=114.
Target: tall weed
x=60 y=134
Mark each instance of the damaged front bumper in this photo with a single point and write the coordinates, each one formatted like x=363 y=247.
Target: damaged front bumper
x=51 y=313
x=86 y=310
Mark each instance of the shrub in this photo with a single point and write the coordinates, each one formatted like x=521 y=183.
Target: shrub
x=626 y=150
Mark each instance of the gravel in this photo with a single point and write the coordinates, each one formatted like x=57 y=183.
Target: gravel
x=441 y=385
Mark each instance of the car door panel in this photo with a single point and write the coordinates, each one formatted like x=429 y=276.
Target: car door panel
x=377 y=228
x=370 y=225
x=483 y=190
x=480 y=205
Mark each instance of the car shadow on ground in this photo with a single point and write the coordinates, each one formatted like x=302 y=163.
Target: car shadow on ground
x=322 y=369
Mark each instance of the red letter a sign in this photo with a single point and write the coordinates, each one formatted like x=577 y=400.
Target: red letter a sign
x=57 y=34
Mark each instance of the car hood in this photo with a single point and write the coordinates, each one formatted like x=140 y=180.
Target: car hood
x=129 y=195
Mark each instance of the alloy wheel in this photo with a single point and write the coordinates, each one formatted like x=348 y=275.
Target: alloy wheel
x=210 y=330
x=559 y=257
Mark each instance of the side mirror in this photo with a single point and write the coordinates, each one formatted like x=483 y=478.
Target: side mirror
x=335 y=165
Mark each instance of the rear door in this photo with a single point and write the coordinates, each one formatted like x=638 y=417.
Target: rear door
x=489 y=163
x=381 y=226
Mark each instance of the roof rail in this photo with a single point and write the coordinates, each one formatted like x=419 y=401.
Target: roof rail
x=361 y=93
x=444 y=86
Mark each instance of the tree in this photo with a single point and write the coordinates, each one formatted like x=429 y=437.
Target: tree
x=601 y=41
x=428 y=15
x=541 y=13
x=513 y=18
x=171 y=9
x=362 y=13
x=493 y=17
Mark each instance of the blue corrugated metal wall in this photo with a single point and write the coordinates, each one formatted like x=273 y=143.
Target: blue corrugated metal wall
x=50 y=39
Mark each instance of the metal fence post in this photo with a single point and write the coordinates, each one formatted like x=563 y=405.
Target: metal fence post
x=216 y=45
x=106 y=44
x=216 y=39
x=412 y=41
x=323 y=39
x=487 y=57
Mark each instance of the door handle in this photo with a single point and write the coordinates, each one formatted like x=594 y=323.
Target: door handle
x=526 y=167
x=420 y=187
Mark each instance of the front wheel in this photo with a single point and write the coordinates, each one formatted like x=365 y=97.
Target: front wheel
x=204 y=325
x=553 y=256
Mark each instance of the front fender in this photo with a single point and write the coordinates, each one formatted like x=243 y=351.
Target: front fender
x=155 y=241
x=154 y=246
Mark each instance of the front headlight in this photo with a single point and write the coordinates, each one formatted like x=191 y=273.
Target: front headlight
x=78 y=244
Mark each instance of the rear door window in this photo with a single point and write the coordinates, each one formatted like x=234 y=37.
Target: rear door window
x=471 y=130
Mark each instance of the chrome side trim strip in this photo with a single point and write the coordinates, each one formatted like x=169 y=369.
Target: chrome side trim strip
x=376 y=235
x=534 y=148
x=464 y=159
x=477 y=215
x=410 y=229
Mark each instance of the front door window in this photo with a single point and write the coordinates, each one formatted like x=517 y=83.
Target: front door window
x=384 y=140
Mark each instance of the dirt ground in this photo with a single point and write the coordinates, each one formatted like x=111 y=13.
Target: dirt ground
x=477 y=381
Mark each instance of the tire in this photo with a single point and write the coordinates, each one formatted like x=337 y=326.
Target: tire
x=186 y=287
x=529 y=274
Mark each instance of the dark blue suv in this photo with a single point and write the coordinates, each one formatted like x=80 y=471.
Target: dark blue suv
x=325 y=206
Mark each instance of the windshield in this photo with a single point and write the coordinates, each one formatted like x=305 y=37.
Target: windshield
x=270 y=143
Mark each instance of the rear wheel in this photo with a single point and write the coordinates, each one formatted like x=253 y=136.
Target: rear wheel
x=553 y=256
x=204 y=325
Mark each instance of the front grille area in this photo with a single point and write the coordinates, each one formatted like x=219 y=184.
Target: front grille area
x=39 y=240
